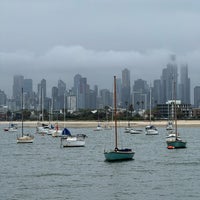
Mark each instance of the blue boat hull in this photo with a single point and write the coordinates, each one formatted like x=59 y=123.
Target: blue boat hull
x=118 y=155
x=177 y=144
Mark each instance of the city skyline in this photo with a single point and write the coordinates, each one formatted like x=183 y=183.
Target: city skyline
x=98 y=39
x=48 y=89
x=82 y=96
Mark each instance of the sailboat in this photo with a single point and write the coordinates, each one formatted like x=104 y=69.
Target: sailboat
x=24 y=138
x=99 y=127
x=11 y=128
x=169 y=126
x=173 y=139
x=117 y=154
x=69 y=140
x=107 y=125
x=151 y=129
x=128 y=128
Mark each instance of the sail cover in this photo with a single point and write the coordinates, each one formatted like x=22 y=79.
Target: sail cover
x=66 y=132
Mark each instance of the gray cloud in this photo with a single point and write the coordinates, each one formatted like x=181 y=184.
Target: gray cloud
x=98 y=66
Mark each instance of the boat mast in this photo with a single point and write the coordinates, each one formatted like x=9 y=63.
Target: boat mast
x=42 y=103
x=22 y=114
x=64 y=109
x=175 y=111
x=115 y=112
x=150 y=106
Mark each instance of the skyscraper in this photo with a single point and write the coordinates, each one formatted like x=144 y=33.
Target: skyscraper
x=61 y=93
x=126 y=88
x=169 y=76
x=28 y=86
x=18 y=81
x=106 y=97
x=55 y=104
x=76 y=89
x=156 y=93
x=42 y=104
x=28 y=94
x=61 y=87
x=44 y=88
x=184 y=87
x=3 y=98
x=118 y=91
x=197 y=97
x=81 y=90
x=140 y=94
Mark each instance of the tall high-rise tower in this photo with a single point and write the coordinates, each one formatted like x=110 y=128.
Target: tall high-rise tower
x=61 y=93
x=42 y=95
x=184 y=87
x=156 y=93
x=44 y=88
x=61 y=87
x=140 y=93
x=81 y=89
x=169 y=76
x=28 y=86
x=126 y=88
x=197 y=97
x=83 y=92
x=119 y=91
x=17 y=88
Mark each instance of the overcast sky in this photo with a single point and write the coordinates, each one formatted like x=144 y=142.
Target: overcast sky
x=56 y=39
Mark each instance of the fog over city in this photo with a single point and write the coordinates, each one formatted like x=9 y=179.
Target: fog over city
x=96 y=38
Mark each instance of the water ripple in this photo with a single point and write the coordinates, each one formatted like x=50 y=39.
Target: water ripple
x=43 y=170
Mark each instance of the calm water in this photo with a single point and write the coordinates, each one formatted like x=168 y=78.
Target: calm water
x=43 y=170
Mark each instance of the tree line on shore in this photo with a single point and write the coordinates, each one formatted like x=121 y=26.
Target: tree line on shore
x=84 y=114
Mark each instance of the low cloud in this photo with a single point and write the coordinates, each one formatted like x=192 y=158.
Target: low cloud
x=63 y=62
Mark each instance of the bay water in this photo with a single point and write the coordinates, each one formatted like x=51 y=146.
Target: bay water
x=44 y=170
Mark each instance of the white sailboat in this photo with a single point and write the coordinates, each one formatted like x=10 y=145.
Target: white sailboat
x=169 y=126
x=107 y=125
x=41 y=127
x=99 y=127
x=69 y=140
x=117 y=154
x=136 y=131
x=128 y=128
x=150 y=129
x=24 y=138
x=11 y=127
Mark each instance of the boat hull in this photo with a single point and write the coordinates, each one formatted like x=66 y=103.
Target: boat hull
x=136 y=131
x=74 y=144
x=98 y=129
x=118 y=155
x=152 y=132
x=25 y=139
x=176 y=144
x=42 y=129
x=73 y=141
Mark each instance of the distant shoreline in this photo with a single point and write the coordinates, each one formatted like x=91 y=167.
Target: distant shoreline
x=93 y=124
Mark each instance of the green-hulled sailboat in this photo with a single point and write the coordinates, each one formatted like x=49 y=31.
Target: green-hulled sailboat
x=173 y=140
x=117 y=154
